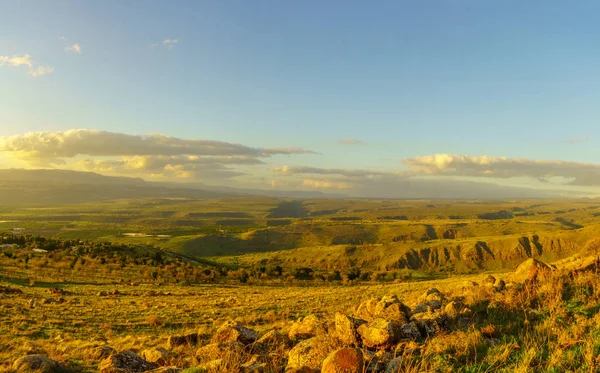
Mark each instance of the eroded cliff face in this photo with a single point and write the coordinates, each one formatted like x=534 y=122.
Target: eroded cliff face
x=481 y=254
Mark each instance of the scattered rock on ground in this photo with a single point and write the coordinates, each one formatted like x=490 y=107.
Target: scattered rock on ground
x=156 y=355
x=37 y=364
x=344 y=360
x=232 y=331
x=125 y=362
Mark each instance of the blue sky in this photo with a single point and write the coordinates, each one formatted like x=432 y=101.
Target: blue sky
x=409 y=78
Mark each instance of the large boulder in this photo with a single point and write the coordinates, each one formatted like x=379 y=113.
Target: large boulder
x=530 y=270
x=37 y=364
x=125 y=362
x=306 y=327
x=310 y=353
x=345 y=329
x=234 y=332
x=378 y=333
x=344 y=360
x=156 y=355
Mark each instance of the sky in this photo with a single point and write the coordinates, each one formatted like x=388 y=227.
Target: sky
x=381 y=99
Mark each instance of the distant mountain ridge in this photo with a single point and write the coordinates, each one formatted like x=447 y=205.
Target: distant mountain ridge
x=33 y=187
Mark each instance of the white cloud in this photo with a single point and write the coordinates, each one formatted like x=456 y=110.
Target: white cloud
x=40 y=70
x=349 y=141
x=25 y=60
x=574 y=173
x=75 y=48
x=167 y=43
x=61 y=38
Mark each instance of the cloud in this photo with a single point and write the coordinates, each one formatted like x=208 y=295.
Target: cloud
x=153 y=155
x=16 y=61
x=40 y=70
x=25 y=60
x=168 y=43
x=75 y=48
x=61 y=38
x=353 y=173
x=325 y=184
x=349 y=141
x=578 y=141
x=563 y=172
x=55 y=145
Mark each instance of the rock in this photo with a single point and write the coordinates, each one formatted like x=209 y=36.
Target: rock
x=310 y=353
x=101 y=352
x=180 y=340
x=232 y=331
x=307 y=327
x=391 y=309
x=409 y=331
x=419 y=308
x=102 y=293
x=469 y=285
x=156 y=355
x=271 y=341
x=434 y=304
x=388 y=307
x=37 y=364
x=429 y=323
x=530 y=270
x=125 y=362
x=499 y=285
x=453 y=308
x=393 y=366
x=49 y=301
x=366 y=310
x=489 y=280
x=215 y=351
x=345 y=328
x=33 y=303
x=378 y=333
x=344 y=360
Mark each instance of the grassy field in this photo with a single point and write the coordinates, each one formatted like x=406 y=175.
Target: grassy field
x=180 y=266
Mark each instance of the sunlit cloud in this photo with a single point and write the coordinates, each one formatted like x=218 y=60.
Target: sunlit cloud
x=349 y=141
x=25 y=60
x=149 y=155
x=75 y=48
x=573 y=173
